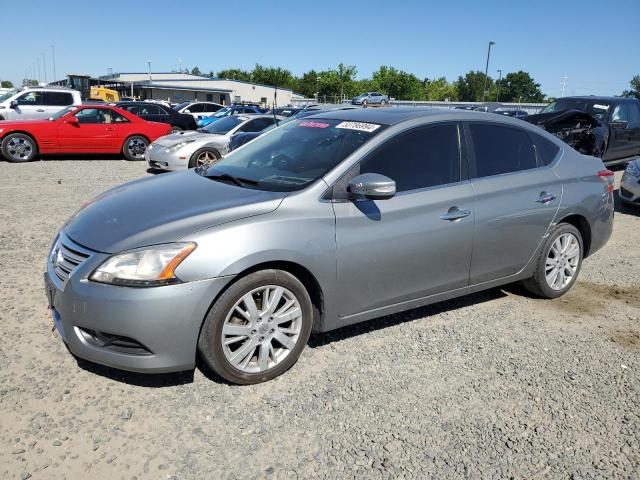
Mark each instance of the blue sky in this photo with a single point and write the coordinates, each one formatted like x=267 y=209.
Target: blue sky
x=596 y=44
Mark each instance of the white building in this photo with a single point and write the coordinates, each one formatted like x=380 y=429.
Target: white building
x=179 y=87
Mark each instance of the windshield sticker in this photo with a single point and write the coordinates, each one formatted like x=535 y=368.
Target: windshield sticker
x=360 y=126
x=314 y=124
x=603 y=107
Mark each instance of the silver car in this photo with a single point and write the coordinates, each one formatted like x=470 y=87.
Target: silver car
x=370 y=98
x=324 y=222
x=630 y=184
x=189 y=149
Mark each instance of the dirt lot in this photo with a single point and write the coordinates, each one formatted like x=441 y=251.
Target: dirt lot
x=494 y=385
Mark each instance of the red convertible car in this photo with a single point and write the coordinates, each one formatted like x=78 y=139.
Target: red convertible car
x=83 y=129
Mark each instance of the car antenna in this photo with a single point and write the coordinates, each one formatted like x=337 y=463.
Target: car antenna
x=275 y=98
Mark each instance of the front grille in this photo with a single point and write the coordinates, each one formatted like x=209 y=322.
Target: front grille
x=66 y=256
x=114 y=343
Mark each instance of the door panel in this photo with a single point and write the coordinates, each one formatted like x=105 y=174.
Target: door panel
x=511 y=220
x=400 y=249
x=85 y=137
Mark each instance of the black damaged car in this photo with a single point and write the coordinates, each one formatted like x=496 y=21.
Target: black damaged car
x=156 y=112
x=605 y=127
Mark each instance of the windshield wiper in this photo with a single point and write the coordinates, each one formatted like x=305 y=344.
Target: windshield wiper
x=230 y=178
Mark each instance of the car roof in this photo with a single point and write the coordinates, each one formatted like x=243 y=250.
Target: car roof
x=393 y=115
x=599 y=98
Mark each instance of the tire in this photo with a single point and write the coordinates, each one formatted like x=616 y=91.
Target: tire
x=364 y=104
x=204 y=156
x=19 y=148
x=538 y=284
x=134 y=147
x=258 y=334
x=175 y=129
x=383 y=103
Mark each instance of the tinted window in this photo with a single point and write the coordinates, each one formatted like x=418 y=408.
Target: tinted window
x=61 y=99
x=621 y=113
x=422 y=158
x=634 y=109
x=256 y=125
x=545 y=149
x=150 y=110
x=99 y=116
x=224 y=125
x=196 y=107
x=30 y=98
x=131 y=108
x=499 y=149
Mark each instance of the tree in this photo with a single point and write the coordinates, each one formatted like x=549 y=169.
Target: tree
x=520 y=87
x=440 y=89
x=235 y=74
x=339 y=81
x=470 y=86
x=635 y=88
x=308 y=84
x=6 y=84
x=274 y=76
x=398 y=83
x=196 y=71
x=29 y=82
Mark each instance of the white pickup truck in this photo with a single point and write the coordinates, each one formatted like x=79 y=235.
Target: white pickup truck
x=36 y=102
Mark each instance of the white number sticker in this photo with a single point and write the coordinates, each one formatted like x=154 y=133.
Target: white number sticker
x=360 y=126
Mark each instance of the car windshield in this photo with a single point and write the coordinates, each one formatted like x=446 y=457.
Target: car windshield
x=62 y=113
x=223 y=112
x=223 y=126
x=181 y=105
x=595 y=108
x=293 y=156
x=9 y=94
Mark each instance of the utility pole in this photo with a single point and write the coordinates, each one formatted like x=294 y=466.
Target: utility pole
x=486 y=70
x=44 y=67
x=149 y=63
x=53 y=54
x=564 y=85
x=499 y=82
x=39 y=76
x=180 y=68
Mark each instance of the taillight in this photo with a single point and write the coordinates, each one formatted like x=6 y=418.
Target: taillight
x=607 y=175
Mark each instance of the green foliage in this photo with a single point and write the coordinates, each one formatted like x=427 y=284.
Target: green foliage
x=307 y=85
x=635 y=88
x=29 y=82
x=235 y=74
x=440 y=89
x=398 y=83
x=339 y=81
x=196 y=71
x=470 y=87
x=6 y=84
x=520 y=87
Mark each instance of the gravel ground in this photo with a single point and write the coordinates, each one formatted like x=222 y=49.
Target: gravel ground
x=493 y=385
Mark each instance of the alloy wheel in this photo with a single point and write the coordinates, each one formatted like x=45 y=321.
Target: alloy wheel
x=205 y=158
x=261 y=329
x=19 y=148
x=136 y=147
x=562 y=261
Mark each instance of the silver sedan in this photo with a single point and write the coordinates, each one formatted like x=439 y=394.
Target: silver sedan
x=630 y=185
x=189 y=149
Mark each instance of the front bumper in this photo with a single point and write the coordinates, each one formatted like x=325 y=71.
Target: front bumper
x=158 y=158
x=150 y=330
x=630 y=188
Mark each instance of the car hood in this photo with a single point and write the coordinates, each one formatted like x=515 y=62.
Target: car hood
x=163 y=209
x=9 y=124
x=175 y=138
x=564 y=116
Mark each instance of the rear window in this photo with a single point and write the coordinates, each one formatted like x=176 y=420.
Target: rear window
x=58 y=99
x=224 y=125
x=546 y=150
x=500 y=149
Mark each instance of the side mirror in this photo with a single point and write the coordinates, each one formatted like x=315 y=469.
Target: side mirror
x=372 y=186
x=186 y=111
x=619 y=124
x=73 y=121
x=13 y=104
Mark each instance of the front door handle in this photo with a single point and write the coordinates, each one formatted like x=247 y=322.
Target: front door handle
x=111 y=130
x=40 y=110
x=454 y=213
x=546 y=197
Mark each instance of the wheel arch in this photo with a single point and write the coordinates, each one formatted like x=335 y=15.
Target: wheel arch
x=583 y=226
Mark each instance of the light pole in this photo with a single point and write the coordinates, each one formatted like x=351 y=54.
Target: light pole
x=44 y=67
x=149 y=64
x=486 y=70
x=499 y=82
x=53 y=54
x=39 y=76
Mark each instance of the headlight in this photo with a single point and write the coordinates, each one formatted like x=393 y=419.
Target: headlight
x=178 y=146
x=145 y=267
x=633 y=169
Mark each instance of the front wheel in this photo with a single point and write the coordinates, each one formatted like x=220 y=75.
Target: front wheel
x=134 y=147
x=364 y=104
x=204 y=157
x=175 y=129
x=258 y=328
x=383 y=103
x=19 y=148
x=558 y=264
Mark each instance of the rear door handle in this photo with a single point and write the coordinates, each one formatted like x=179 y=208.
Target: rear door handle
x=40 y=110
x=546 y=197
x=454 y=213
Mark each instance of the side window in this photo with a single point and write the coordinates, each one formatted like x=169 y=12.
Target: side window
x=90 y=116
x=30 y=98
x=135 y=109
x=634 y=109
x=621 y=113
x=500 y=149
x=424 y=157
x=162 y=111
x=58 y=99
x=196 y=108
x=111 y=116
x=252 y=126
x=546 y=150
x=149 y=110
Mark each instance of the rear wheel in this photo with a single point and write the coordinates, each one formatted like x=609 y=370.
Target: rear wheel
x=175 y=129
x=364 y=104
x=203 y=157
x=19 y=147
x=558 y=264
x=258 y=328
x=134 y=147
x=383 y=103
